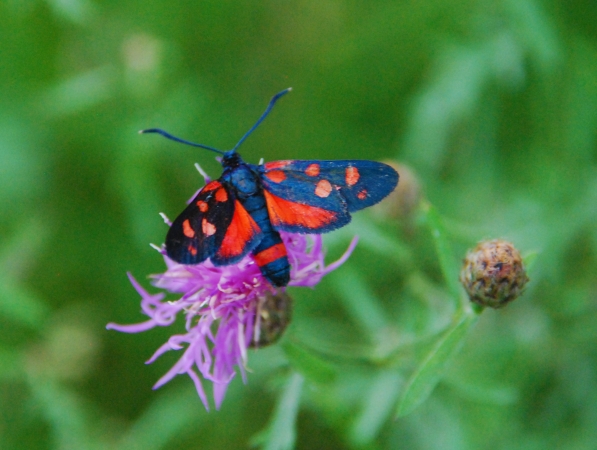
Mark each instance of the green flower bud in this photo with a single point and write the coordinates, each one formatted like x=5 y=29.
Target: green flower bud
x=493 y=273
x=403 y=201
x=274 y=313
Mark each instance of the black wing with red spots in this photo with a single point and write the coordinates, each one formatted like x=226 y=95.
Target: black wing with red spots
x=318 y=196
x=214 y=225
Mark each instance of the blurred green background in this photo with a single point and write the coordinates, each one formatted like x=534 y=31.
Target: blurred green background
x=492 y=105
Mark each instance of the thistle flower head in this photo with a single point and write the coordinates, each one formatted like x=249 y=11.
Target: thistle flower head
x=227 y=309
x=493 y=273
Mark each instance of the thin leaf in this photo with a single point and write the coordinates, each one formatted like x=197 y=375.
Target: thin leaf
x=365 y=309
x=308 y=364
x=280 y=433
x=66 y=413
x=530 y=259
x=375 y=239
x=429 y=372
x=80 y=92
x=378 y=405
x=166 y=418
x=447 y=261
x=20 y=305
x=499 y=394
x=77 y=11
x=10 y=364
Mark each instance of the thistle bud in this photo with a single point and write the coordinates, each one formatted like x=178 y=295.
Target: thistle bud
x=493 y=273
x=274 y=313
x=405 y=198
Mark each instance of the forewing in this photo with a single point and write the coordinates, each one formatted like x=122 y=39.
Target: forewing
x=301 y=203
x=318 y=196
x=214 y=225
x=362 y=183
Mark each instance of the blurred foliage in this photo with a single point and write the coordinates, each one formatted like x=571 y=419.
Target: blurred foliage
x=491 y=104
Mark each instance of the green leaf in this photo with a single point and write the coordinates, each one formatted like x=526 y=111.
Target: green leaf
x=377 y=407
x=453 y=93
x=77 y=11
x=375 y=239
x=365 y=309
x=529 y=260
x=67 y=414
x=168 y=417
x=484 y=393
x=10 y=364
x=536 y=30
x=280 y=433
x=20 y=305
x=427 y=375
x=81 y=92
x=447 y=261
x=307 y=363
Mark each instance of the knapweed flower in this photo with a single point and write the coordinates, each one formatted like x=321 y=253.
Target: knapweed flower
x=224 y=311
x=493 y=273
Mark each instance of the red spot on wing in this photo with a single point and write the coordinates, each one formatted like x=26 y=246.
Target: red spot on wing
x=277 y=176
x=203 y=207
x=241 y=230
x=312 y=170
x=192 y=249
x=277 y=164
x=211 y=186
x=187 y=229
x=352 y=176
x=221 y=195
x=323 y=188
x=271 y=254
x=207 y=228
x=362 y=195
x=285 y=212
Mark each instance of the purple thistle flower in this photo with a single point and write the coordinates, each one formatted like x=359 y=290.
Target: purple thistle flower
x=220 y=306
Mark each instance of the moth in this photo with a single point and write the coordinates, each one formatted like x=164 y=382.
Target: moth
x=245 y=209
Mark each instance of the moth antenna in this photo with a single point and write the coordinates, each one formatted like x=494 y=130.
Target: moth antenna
x=182 y=141
x=167 y=135
x=271 y=104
